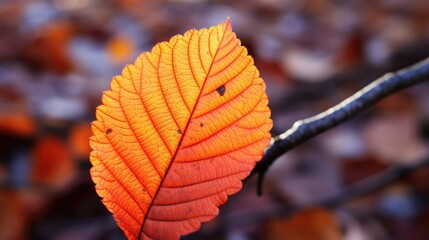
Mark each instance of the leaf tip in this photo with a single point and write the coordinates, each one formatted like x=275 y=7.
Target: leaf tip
x=227 y=22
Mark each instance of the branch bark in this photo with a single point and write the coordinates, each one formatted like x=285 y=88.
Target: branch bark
x=305 y=129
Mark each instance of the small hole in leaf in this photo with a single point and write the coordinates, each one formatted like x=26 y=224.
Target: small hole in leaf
x=221 y=90
x=108 y=131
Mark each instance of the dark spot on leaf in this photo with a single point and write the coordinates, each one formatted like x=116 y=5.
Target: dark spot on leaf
x=179 y=132
x=201 y=125
x=221 y=90
x=108 y=131
x=196 y=166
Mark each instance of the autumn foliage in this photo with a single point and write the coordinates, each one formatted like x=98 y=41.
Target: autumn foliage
x=177 y=132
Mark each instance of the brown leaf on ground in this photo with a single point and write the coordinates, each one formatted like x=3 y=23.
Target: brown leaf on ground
x=360 y=169
x=78 y=140
x=13 y=223
x=52 y=164
x=394 y=138
x=310 y=224
x=17 y=124
x=49 y=51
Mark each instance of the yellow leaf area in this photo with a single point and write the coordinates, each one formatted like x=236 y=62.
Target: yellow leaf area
x=177 y=132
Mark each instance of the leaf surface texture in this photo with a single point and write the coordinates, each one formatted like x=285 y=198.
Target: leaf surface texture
x=178 y=131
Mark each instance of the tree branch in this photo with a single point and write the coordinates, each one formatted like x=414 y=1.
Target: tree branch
x=308 y=128
x=374 y=182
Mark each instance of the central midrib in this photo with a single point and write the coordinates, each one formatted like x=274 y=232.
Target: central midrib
x=185 y=129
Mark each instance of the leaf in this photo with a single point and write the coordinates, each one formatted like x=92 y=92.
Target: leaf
x=177 y=132
x=13 y=222
x=49 y=52
x=120 y=49
x=51 y=163
x=312 y=223
x=17 y=123
x=78 y=140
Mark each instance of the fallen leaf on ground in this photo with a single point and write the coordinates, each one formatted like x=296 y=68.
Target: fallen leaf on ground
x=310 y=224
x=52 y=164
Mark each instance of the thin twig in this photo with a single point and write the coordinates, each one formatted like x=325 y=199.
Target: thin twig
x=308 y=128
x=374 y=182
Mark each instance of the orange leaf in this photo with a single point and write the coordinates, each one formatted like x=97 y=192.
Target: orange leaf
x=177 y=133
x=18 y=123
x=309 y=224
x=52 y=164
x=78 y=140
x=120 y=49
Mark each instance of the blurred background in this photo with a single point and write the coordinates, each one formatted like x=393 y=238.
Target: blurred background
x=58 y=56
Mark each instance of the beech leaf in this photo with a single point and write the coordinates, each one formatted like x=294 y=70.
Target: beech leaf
x=177 y=132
